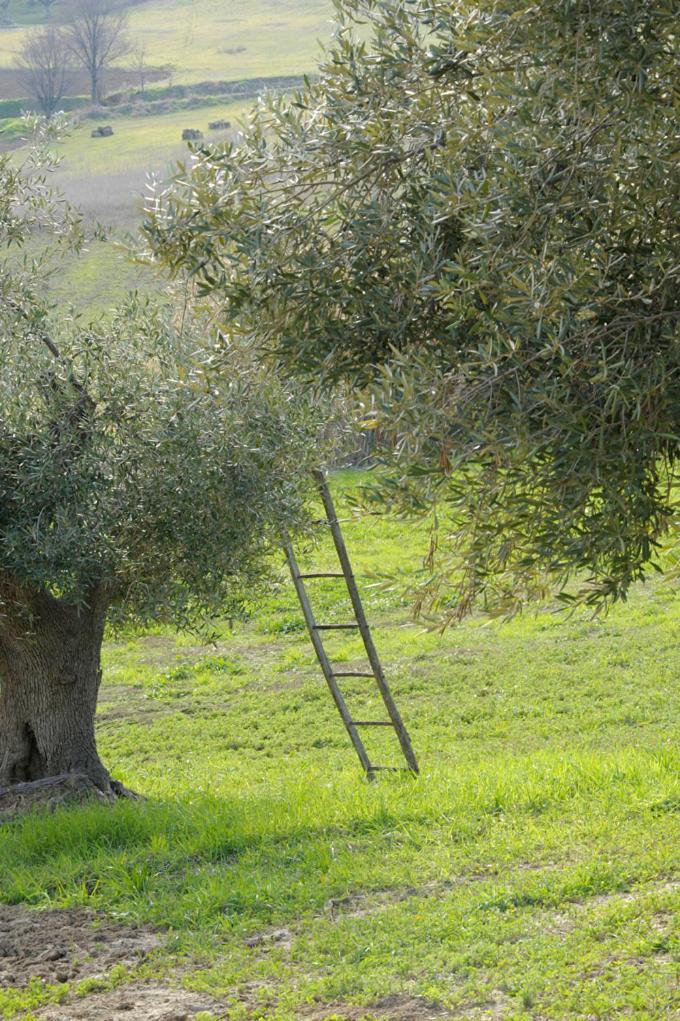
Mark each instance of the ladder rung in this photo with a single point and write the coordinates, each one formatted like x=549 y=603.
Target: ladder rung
x=332 y=521
x=350 y=673
x=324 y=574
x=335 y=627
x=372 y=723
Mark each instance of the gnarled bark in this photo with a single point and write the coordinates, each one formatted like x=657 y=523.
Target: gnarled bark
x=49 y=683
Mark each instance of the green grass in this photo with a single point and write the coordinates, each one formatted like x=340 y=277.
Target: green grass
x=530 y=873
x=151 y=144
x=108 y=177
x=234 y=38
x=206 y=39
x=11 y=129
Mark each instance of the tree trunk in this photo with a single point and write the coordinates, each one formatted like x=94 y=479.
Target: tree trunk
x=49 y=683
x=94 y=87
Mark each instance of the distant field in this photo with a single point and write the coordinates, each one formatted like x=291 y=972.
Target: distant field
x=204 y=40
x=234 y=38
x=211 y=38
x=107 y=177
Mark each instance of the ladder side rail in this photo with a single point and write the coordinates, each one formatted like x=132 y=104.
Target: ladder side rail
x=324 y=662
x=371 y=651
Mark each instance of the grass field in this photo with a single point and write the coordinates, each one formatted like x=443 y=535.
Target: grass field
x=529 y=873
x=205 y=39
x=141 y=146
x=202 y=40
x=108 y=179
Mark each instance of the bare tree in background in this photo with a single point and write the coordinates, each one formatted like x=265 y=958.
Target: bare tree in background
x=98 y=37
x=4 y=9
x=47 y=5
x=139 y=66
x=44 y=66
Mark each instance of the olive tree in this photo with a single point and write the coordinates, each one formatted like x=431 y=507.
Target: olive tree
x=138 y=482
x=471 y=217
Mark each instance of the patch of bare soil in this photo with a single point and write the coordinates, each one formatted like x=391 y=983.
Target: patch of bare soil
x=411 y=1008
x=391 y=1008
x=134 y=1003
x=560 y=923
x=364 y=904
x=65 y=946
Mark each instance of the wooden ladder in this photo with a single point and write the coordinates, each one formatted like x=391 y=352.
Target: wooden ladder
x=360 y=624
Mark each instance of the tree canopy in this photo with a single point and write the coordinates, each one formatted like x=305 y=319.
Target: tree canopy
x=97 y=37
x=471 y=216
x=126 y=461
x=138 y=481
x=44 y=67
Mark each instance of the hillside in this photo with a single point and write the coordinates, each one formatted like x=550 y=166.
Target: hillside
x=205 y=39
x=197 y=43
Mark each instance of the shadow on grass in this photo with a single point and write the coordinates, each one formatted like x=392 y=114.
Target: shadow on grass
x=261 y=858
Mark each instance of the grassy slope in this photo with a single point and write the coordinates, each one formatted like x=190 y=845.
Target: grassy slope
x=108 y=179
x=228 y=39
x=527 y=875
x=139 y=147
x=204 y=39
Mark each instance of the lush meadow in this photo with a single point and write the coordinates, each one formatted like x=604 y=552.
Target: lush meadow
x=529 y=873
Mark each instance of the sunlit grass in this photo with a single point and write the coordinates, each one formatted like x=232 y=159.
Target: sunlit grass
x=147 y=143
x=530 y=871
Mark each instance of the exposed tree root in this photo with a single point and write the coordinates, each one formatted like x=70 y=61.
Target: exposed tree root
x=52 y=792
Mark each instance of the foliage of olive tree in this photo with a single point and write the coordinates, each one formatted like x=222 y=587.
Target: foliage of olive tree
x=473 y=213
x=136 y=483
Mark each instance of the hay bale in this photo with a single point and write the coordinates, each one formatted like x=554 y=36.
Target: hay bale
x=105 y=131
x=192 y=135
x=219 y=125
